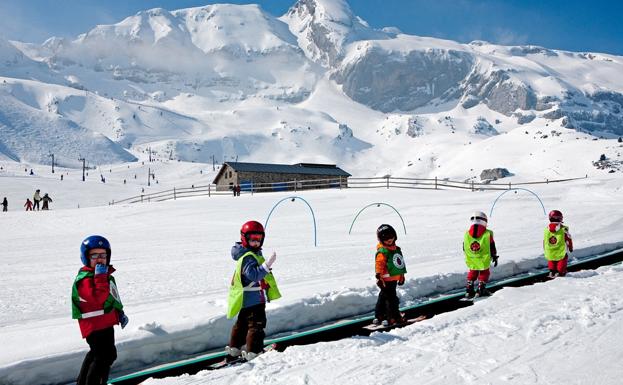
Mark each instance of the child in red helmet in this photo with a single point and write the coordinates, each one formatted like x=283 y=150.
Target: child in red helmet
x=479 y=249
x=252 y=285
x=97 y=307
x=557 y=243
x=390 y=271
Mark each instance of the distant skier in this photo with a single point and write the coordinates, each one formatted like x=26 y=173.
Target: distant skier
x=46 y=200
x=36 y=199
x=479 y=249
x=28 y=204
x=390 y=271
x=5 y=205
x=252 y=285
x=557 y=243
x=97 y=307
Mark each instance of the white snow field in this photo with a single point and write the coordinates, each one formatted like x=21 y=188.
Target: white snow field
x=174 y=269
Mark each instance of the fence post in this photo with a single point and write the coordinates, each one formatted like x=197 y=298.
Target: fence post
x=509 y=185
x=388 y=181
x=174 y=197
x=546 y=181
x=295 y=185
x=472 y=186
x=141 y=198
x=209 y=189
x=435 y=183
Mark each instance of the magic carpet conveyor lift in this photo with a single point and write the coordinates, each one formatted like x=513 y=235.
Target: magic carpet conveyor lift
x=354 y=326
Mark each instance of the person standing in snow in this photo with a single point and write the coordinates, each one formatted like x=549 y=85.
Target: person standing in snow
x=479 y=249
x=46 y=199
x=5 y=205
x=36 y=198
x=557 y=243
x=97 y=307
x=390 y=271
x=252 y=285
x=28 y=204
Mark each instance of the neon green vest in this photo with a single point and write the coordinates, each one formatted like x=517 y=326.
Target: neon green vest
x=477 y=250
x=395 y=261
x=554 y=245
x=236 y=290
x=112 y=302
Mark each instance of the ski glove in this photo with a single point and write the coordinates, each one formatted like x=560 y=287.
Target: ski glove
x=379 y=282
x=123 y=319
x=100 y=268
x=401 y=281
x=269 y=262
x=495 y=260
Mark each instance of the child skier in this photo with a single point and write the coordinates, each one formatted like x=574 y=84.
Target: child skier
x=556 y=243
x=390 y=271
x=28 y=205
x=479 y=249
x=252 y=285
x=97 y=307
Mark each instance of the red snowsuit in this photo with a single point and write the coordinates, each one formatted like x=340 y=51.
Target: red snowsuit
x=561 y=265
x=476 y=231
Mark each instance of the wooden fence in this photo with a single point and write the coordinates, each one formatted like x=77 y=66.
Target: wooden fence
x=337 y=183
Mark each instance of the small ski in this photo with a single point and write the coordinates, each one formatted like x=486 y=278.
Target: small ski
x=238 y=360
x=409 y=321
x=227 y=363
x=474 y=299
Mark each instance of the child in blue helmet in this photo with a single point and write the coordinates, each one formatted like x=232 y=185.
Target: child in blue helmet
x=97 y=307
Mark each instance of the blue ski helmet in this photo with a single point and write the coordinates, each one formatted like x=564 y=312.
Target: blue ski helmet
x=94 y=242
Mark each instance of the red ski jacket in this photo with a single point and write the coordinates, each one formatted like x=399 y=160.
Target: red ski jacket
x=93 y=293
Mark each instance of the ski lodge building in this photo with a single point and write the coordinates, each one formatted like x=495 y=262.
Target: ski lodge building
x=259 y=177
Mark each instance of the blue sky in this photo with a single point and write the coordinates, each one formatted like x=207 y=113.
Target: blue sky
x=570 y=25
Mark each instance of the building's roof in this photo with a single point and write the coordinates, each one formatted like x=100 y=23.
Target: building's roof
x=299 y=168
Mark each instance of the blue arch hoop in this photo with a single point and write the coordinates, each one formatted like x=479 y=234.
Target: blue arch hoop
x=292 y=198
x=377 y=205
x=518 y=188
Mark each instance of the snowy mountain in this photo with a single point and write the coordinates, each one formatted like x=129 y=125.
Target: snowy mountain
x=232 y=81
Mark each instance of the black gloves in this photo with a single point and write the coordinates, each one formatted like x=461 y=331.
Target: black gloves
x=495 y=260
x=379 y=282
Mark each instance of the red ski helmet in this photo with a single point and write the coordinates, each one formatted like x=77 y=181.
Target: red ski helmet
x=249 y=228
x=555 y=216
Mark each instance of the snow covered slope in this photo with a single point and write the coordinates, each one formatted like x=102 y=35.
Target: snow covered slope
x=173 y=263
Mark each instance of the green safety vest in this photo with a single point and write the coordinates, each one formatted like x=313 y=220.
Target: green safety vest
x=395 y=261
x=477 y=250
x=112 y=302
x=236 y=290
x=554 y=245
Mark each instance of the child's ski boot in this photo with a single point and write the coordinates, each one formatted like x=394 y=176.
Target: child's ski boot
x=482 y=290
x=469 y=290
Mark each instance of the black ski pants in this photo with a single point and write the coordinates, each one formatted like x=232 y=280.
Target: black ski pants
x=249 y=328
x=97 y=363
x=387 y=305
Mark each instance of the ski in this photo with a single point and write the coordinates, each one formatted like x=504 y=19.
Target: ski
x=474 y=298
x=227 y=362
x=409 y=321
